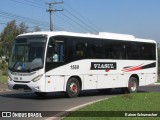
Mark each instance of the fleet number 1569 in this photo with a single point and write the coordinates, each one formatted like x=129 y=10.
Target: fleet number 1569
x=74 y=67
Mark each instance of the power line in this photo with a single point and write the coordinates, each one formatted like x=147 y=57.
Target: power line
x=10 y=15
x=3 y=23
x=88 y=21
x=50 y=10
x=33 y=4
x=63 y=19
x=19 y=18
x=81 y=21
x=74 y=21
x=41 y=1
x=66 y=21
x=28 y=26
x=28 y=4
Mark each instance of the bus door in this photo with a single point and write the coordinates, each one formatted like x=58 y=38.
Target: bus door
x=55 y=72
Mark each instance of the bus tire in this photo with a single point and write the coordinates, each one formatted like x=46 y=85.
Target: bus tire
x=132 y=85
x=72 y=88
x=40 y=94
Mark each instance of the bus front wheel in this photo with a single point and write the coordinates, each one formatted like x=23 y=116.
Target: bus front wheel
x=72 y=88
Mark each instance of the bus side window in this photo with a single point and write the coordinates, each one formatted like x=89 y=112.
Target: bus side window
x=55 y=51
x=79 y=51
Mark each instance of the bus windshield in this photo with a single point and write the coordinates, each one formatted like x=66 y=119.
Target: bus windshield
x=27 y=54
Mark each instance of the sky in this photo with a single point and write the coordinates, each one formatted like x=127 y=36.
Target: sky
x=140 y=18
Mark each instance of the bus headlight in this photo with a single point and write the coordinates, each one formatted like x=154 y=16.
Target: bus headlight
x=9 y=78
x=37 y=78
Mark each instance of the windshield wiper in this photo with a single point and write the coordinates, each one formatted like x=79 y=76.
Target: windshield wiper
x=14 y=65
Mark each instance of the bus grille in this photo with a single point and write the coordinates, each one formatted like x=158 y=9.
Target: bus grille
x=25 y=87
x=22 y=81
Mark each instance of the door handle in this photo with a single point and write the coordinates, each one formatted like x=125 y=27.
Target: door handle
x=62 y=75
x=48 y=76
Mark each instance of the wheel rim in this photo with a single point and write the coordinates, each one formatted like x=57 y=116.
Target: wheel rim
x=73 y=88
x=133 y=86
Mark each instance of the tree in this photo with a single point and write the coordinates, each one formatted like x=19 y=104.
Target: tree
x=6 y=38
x=158 y=60
x=37 y=28
x=8 y=35
x=23 y=28
x=9 y=32
x=1 y=50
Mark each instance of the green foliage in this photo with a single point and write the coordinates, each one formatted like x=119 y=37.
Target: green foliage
x=1 y=49
x=9 y=32
x=129 y=102
x=3 y=79
x=36 y=29
x=159 y=60
x=7 y=36
x=23 y=28
x=3 y=67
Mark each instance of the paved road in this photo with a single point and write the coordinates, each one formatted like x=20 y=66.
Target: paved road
x=151 y=88
x=19 y=101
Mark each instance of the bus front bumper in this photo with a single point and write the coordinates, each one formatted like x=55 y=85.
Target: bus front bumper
x=26 y=87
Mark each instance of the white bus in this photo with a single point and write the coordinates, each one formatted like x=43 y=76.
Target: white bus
x=44 y=62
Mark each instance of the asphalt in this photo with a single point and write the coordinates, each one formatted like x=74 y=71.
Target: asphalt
x=20 y=101
x=3 y=87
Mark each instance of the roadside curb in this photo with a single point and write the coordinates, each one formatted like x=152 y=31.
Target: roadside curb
x=156 y=84
x=3 y=87
x=4 y=90
x=66 y=112
x=61 y=115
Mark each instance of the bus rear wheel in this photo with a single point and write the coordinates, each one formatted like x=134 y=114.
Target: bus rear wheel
x=132 y=85
x=72 y=88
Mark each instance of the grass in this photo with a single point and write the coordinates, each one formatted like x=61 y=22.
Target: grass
x=127 y=102
x=3 y=76
x=3 y=79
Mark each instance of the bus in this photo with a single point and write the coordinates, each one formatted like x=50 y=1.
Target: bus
x=60 y=61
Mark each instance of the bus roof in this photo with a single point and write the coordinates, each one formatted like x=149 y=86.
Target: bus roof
x=101 y=35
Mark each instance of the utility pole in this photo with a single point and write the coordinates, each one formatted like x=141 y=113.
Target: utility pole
x=50 y=10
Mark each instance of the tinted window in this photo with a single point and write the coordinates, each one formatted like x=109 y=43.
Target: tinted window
x=92 y=48
x=133 y=51
x=148 y=51
x=84 y=48
x=56 y=53
x=95 y=49
x=77 y=48
x=115 y=49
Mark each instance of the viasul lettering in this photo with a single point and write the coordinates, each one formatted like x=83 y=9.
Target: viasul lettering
x=103 y=65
